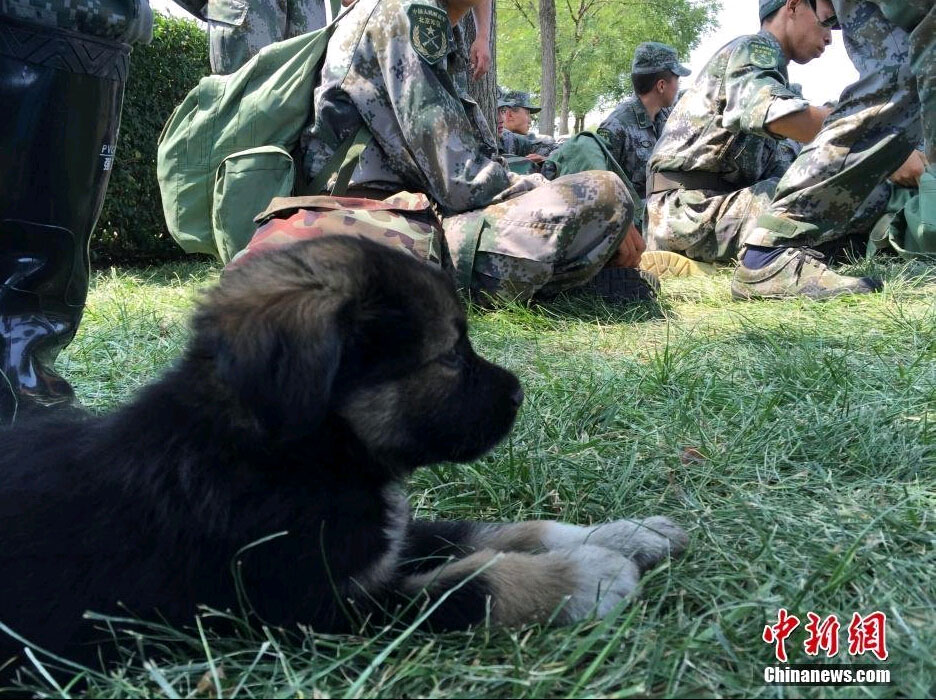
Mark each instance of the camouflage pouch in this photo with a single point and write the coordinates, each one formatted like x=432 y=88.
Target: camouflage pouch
x=404 y=221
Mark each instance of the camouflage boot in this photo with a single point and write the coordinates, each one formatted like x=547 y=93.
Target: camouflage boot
x=797 y=272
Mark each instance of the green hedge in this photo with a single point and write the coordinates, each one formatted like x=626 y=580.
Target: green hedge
x=131 y=227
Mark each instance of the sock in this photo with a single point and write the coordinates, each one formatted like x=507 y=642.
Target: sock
x=756 y=257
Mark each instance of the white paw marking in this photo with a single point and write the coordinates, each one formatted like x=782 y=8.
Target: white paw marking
x=647 y=541
x=605 y=578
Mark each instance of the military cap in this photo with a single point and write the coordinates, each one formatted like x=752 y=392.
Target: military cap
x=654 y=57
x=770 y=6
x=515 y=98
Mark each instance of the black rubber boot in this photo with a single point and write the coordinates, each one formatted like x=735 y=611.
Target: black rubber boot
x=61 y=94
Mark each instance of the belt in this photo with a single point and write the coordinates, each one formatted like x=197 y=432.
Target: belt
x=682 y=180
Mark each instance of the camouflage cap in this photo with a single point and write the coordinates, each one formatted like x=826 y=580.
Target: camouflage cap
x=770 y=6
x=654 y=57
x=515 y=98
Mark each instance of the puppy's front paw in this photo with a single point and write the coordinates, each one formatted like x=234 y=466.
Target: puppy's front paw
x=603 y=578
x=646 y=541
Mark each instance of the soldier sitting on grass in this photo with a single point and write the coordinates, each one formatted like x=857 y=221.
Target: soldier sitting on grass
x=507 y=235
x=515 y=112
x=720 y=157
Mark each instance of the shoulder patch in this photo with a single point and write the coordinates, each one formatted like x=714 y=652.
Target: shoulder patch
x=428 y=31
x=764 y=55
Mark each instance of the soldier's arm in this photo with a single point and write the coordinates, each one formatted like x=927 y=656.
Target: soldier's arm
x=615 y=137
x=427 y=123
x=800 y=126
x=758 y=97
x=480 y=52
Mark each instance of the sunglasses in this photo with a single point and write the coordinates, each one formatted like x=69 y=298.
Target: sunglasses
x=830 y=23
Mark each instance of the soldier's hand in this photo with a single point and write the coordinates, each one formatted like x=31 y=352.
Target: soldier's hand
x=479 y=57
x=535 y=158
x=909 y=174
x=629 y=252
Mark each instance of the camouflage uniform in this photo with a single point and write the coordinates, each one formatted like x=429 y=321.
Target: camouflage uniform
x=629 y=132
x=125 y=21
x=631 y=137
x=393 y=66
x=719 y=127
x=872 y=130
x=512 y=143
x=238 y=29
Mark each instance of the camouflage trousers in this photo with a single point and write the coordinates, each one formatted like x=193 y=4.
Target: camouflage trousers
x=540 y=237
x=872 y=131
x=703 y=224
x=238 y=29
x=713 y=226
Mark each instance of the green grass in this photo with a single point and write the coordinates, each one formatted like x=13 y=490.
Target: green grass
x=814 y=490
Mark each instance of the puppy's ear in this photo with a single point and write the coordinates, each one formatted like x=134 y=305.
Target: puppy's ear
x=280 y=362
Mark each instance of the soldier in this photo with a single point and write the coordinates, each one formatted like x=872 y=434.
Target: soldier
x=514 y=115
x=392 y=65
x=718 y=160
x=63 y=66
x=238 y=29
x=869 y=135
x=634 y=126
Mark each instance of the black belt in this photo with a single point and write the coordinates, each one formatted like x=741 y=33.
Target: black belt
x=682 y=180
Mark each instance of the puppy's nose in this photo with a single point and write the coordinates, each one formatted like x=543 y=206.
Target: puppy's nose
x=517 y=396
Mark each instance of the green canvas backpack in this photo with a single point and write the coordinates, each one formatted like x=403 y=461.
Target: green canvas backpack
x=226 y=151
x=909 y=226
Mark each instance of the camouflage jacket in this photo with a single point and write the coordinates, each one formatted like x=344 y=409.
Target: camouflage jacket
x=720 y=124
x=631 y=136
x=126 y=21
x=511 y=143
x=395 y=66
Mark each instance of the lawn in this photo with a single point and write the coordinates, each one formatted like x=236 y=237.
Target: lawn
x=795 y=442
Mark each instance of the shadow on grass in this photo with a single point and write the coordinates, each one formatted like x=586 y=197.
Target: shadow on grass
x=563 y=309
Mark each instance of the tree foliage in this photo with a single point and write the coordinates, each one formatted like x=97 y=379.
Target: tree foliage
x=595 y=42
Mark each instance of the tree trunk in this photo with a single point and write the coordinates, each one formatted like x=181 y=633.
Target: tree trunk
x=484 y=91
x=547 y=22
x=564 y=104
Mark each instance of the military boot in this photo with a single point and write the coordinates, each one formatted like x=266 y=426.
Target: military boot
x=665 y=263
x=618 y=285
x=797 y=272
x=61 y=94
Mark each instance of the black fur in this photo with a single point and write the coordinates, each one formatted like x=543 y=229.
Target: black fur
x=315 y=378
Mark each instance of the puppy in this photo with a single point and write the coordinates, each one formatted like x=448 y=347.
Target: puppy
x=317 y=377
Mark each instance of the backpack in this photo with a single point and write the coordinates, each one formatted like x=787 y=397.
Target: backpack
x=909 y=226
x=586 y=150
x=226 y=150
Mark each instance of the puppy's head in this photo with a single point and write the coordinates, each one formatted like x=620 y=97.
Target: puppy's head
x=344 y=331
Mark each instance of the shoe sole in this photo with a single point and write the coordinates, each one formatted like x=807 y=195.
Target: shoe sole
x=665 y=263
x=739 y=295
